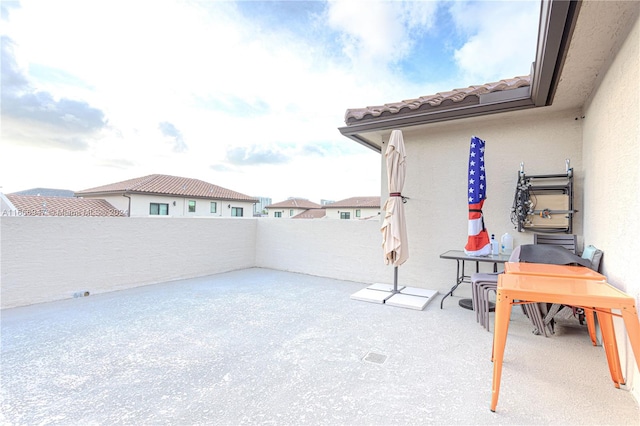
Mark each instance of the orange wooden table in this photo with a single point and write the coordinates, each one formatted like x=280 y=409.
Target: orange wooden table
x=586 y=293
x=560 y=271
x=547 y=270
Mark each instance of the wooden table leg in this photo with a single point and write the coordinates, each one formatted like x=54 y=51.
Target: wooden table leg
x=500 y=331
x=591 y=325
x=610 y=346
x=631 y=323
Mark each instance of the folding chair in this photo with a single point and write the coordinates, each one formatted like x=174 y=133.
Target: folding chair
x=482 y=285
x=568 y=241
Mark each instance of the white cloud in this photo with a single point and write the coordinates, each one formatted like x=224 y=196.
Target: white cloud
x=170 y=132
x=257 y=154
x=371 y=32
x=209 y=76
x=502 y=39
x=377 y=33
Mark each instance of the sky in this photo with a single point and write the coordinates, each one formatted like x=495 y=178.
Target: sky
x=247 y=95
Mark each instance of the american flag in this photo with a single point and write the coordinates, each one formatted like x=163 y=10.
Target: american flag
x=478 y=243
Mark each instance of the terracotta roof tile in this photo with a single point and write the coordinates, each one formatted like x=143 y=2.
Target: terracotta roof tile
x=295 y=203
x=169 y=185
x=34 y=205
x=311 y=214
x=439 y=100
x=46 y=192
x=358 y=202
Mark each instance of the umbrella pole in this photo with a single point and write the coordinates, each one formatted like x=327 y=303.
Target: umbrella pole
x=395 y=279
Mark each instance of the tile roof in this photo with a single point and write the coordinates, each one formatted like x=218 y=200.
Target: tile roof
x=46 y=192
x=168 y=185
x=357 y=202
x=295 y=203
x=443 y=100
x=34 y=205
x=311 y=214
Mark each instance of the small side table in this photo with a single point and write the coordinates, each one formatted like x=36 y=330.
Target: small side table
x=461 y=257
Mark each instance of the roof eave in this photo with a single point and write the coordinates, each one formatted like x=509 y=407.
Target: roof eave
x=557 y=21
x=490 y=103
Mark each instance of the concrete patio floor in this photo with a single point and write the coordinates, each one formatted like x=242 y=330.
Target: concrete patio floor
x=272 y=347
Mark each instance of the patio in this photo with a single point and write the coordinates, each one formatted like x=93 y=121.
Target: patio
x=265 y=346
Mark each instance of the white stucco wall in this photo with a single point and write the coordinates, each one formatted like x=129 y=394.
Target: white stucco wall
x=51 y=258
x=343 y=249
x=436 y=182
x=612 y=178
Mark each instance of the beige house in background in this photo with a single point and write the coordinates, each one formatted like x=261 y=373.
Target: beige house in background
x=290 y=208
x=581 y=102
x=349 y=208
x=172 y=196
x=359 y=208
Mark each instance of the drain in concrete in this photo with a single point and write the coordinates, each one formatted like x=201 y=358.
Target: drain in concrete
x=375 y=358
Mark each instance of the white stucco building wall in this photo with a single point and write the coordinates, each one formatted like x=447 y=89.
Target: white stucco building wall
x=284 y=212
x=365 y=212
x=178 y=206
x=436 y=182
x=612 y=179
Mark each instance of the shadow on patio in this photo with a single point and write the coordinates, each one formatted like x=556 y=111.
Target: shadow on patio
x=264 y=346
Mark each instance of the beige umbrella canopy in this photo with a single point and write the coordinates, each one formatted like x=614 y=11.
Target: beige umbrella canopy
x=394 y=236
x=394 y=227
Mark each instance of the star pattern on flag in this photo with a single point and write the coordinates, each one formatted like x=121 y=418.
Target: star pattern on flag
x=477 y=177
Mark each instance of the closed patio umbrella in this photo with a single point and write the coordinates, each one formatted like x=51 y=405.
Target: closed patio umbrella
x=478 y=243
x=394 y=227
x=395 y=246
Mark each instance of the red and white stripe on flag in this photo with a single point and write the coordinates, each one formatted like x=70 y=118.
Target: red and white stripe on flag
x=478 y=243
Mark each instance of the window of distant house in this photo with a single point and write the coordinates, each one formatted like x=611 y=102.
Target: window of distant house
x=236 y=211
x=345 y=215
x=291 y=212
x=214 y=207
x=358 y=213
x=157 y=209
x=192 y=206
x=277 y=214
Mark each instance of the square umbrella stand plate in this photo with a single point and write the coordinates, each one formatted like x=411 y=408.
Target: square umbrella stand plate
x=375 y=293
x=412 y=298
x=406 y=297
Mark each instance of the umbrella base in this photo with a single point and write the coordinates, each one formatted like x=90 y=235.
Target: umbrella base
x=371 y=295
x=405 y=297
x=410 y=301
